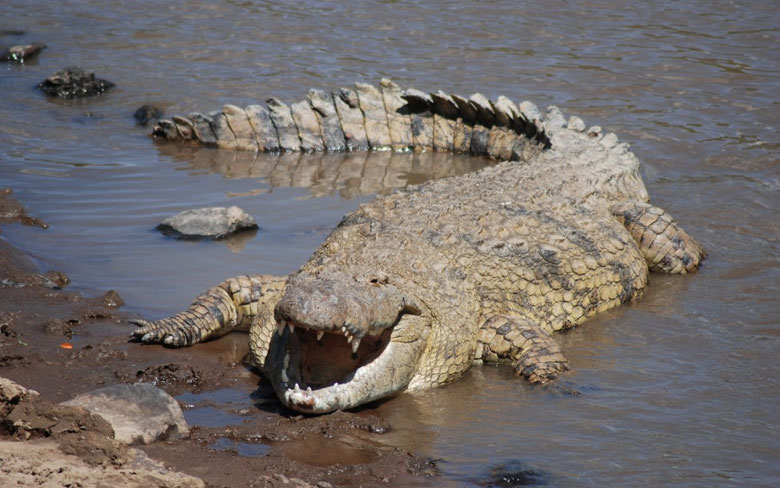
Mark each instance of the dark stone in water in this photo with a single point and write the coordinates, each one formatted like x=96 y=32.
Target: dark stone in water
x=22 y=52
x=74 y=82
x=146 y=114
x=515 y=474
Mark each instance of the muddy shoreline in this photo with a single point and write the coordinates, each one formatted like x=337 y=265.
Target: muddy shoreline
x=61 y=344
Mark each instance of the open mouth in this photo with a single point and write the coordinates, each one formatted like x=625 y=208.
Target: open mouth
x=319 y=364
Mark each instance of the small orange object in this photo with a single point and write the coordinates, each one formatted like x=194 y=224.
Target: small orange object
x=66 y=345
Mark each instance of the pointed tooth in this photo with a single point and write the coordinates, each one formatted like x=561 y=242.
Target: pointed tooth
x=320 y=334
x=355 y=345
x=287 y=360
x=297 y=388
x=344 y=329
x=349 y=339
x=285 y=378
x=308 y=390
x=291 y=327
x=336 y=384
x=280 y=328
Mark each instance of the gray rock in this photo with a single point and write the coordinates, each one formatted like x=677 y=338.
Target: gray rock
x=212 y=222
x=139 y=414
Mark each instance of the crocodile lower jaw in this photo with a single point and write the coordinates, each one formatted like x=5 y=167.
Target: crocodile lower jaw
x=319 y=366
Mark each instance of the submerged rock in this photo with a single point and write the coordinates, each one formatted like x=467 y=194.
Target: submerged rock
x=212 y=222
x=139 y=413
x=147 y=113
x=22 y=52
x=74 y=82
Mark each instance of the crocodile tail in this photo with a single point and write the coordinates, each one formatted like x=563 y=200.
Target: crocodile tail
x=372 y=118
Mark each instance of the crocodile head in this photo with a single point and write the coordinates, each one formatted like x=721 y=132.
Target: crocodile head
x=343 y=338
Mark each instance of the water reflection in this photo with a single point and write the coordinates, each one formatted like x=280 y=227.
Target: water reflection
x=348 y=175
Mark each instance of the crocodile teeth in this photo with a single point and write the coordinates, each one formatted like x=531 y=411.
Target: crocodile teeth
x=285 y=378
x=349 y=338
x=297 y=388
x=308 y=390
x=355 y=345
x=287 y=360
x=280 y=328
x=320 y=334
x=291 y=327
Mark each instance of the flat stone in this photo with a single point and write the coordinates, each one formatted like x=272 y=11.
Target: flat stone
x=139 y=413
x=74 y=82
x=212 y=222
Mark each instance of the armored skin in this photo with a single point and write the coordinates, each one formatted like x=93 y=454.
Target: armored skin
x=414 y=287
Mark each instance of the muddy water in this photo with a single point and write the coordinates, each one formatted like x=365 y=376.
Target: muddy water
x=679 y=389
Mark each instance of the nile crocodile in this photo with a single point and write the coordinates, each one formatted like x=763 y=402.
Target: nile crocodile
x=414 y=287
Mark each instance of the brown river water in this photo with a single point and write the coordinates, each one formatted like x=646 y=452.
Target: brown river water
x=678 y=389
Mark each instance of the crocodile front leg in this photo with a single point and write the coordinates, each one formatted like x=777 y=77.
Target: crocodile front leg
x=536 y=356
x=232 y=305
x=665 y=246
